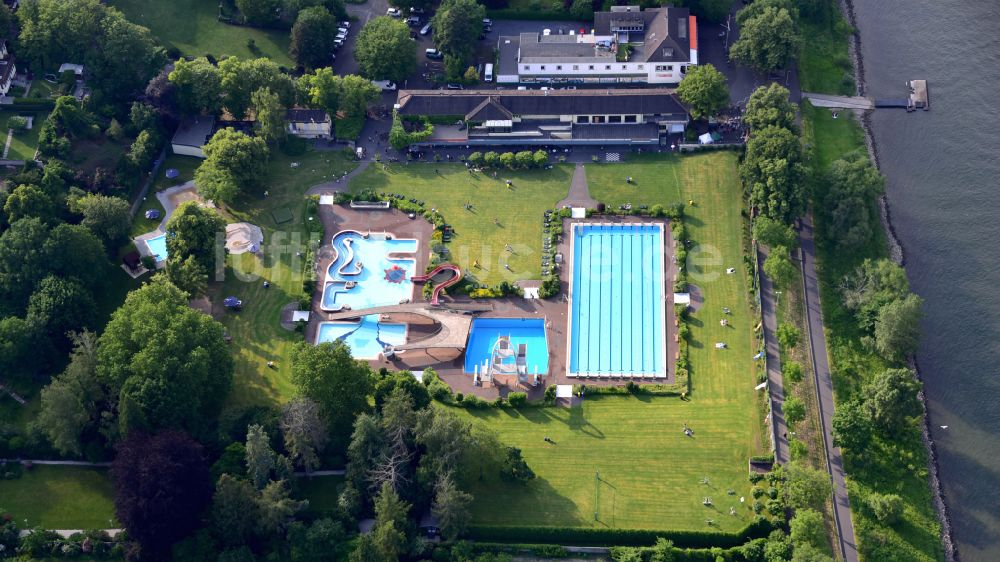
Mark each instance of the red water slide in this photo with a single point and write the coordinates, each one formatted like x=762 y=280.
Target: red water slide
x=441 y=285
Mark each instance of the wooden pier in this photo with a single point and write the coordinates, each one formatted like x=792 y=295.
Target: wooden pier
x=918 y=98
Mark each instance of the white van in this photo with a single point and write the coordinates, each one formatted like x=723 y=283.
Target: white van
x=385 y=85
x=488 y=73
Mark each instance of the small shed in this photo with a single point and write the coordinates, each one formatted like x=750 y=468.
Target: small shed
x=682 y=298
x=300 y=316
x=76 y=69
x=309 y=123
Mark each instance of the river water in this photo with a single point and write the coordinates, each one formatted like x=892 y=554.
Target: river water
x=943 y=184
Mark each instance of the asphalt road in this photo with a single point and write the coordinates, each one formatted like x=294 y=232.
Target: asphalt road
x=824 y=391
x=775 y=385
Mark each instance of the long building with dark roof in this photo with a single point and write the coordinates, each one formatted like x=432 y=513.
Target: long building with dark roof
x=627 y=45
x=546 y=117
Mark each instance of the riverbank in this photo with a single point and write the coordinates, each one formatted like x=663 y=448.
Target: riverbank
x=898 y=255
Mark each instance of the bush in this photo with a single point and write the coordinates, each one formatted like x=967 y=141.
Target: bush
x=791 y=371
x=18 y=123
x=517 y=399
x=550 y=394
x=887 y=508
x=795 y=411
x=788 y=336
x=474 y=402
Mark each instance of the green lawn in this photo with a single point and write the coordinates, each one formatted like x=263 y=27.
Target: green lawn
x=897 y=466
x=824 y=63
x=192 y=26
x=257 y=334
x=322 y=492
x=448 y=187
x=22 y=145
x=60 y=497
x=650 y=471
x=186 y=165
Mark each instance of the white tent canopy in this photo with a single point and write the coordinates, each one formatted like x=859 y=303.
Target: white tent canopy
x=706 y=139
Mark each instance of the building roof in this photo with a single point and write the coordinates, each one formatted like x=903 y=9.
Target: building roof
x=489 y=110
x=645 y=101
x=194 y=131
x=306 y=116
x=538 y=48
x=665 y=36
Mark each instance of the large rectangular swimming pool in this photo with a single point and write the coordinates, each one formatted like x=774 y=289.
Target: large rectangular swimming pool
x=617 y=301
x=486 y=331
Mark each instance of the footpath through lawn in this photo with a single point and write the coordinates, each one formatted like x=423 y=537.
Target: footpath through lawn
x=650 y=472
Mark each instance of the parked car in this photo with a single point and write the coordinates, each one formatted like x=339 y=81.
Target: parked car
x=345 y=24
x=338 y=43
x=413 y=21
x=385 y=85
x=343 y=30
x=433 y=54
x=455 y=87
x=394 y=13
x=426 y=29
x=419 y=11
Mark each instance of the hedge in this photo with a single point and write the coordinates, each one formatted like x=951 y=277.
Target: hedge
x=34 y=104
x=590 y=536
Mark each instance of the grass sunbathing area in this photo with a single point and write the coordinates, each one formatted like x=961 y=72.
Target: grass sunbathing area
x=256 y=330
x=185 y=165
x=60 y=497
x=192 y=26
x=22 y=145
x=477 y=238
x=650 y=471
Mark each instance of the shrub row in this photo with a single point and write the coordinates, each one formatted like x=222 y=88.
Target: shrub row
x=589 y=536
x=34 y=104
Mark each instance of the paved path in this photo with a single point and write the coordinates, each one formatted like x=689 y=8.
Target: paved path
x=335 y=472
x=839 y=102
x=60 y=463
x=824 y=391
x=340 y=185
x=775 y=385
x=579 y=193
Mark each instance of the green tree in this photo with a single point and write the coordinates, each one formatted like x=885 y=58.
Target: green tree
x=329 y=375
x=457 y=25
x=194 y=230
x=897 y=328
x=771 y=233
x=491 y=159
x=276 y=508
x=795 y=411
x=355 y=95
x=143 y=116
x=234 y=161
x=70 y=403
x=476 y=159
x=806 y=487
x=852 y=427
x=199 y=86
x=143 y=149
x=17 y=347
x=769 y=40
x=451 y=507
x=335 y=7
x=315 y=542
x=215 y=183
x=779 y=267
x=887 y=508
x=29 y=201
x=258 y=11
x=270 y=123
x=807 y=528
x=320 y=89
x=874 y=284
x=188 y=275
x=769 y=106
x=128 y=56
x=508 y=160
x=384 y=50
x=809 y=553
x=241 y=78
x=305 y=432
x=107 y=217
x=260 y=456
x=167 y=365
x=854 y=187
x=524 y=159
x=234 y=511
x=312 y=37
x=892 y=399
x=60 y=305
x=704 y=91
x=391 y=523
x=582 y=10
x=774 y=175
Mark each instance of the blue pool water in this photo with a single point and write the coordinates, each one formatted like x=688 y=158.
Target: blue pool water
x=367 y=263
x=486 y=331
x=365 y=338
x=158 y=246
x=617 y=301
